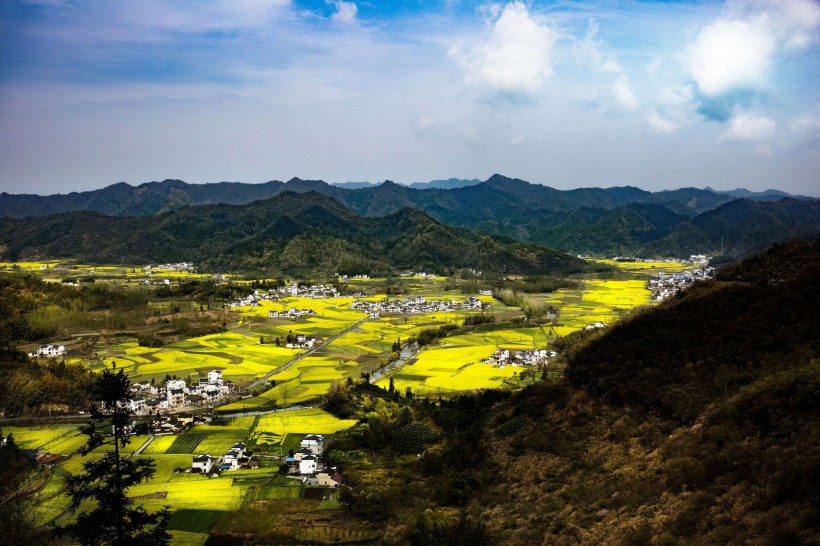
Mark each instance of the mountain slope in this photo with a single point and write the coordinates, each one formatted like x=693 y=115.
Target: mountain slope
x=742 y=227
x=696 y=422
x=298 y=233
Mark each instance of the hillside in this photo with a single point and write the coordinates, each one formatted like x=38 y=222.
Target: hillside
x=695 y=422
x=298 y=233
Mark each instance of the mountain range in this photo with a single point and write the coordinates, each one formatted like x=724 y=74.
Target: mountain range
x=297 y=233
x=602 y=221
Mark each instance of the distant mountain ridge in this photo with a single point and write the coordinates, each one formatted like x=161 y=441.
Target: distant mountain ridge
x=122 y=199
x=619 y=220
x=298 y=233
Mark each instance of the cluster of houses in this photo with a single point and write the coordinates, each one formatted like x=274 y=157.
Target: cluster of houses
x=305 y=462
x=665 y=285
x=417 y=305
x=179 y=266
x=252 y=300
x=354 y=277
x=291 y=313
x=177 y=392
x=301 y=341
x=421 y=275
x=315 y=291
x=48 y=351
x=526 y=357
x=235 y=458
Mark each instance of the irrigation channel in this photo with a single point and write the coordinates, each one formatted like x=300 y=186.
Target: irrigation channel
x=408 y=352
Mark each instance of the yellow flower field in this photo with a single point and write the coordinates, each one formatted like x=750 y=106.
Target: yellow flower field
x=450 y=369
x=273 y=427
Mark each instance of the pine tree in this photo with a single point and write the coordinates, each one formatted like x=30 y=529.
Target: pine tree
x=108 y=515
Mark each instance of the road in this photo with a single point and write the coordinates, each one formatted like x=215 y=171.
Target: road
x=290 y=363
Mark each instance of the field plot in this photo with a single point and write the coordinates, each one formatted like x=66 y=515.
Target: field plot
x=328 y=312
x=597 y=301
x=186 y=491
x=239 y=357
x=512 y=338
x=62 y=439
x=444 y=370
x=273 y=427
x=645 y=268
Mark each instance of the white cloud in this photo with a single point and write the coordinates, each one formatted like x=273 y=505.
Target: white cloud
x=748 y=128
x=736 y=50
x=516 y=56
x=588 y=51
x=729 y=55
x=662 y=124
x=793 y=22
x=807 y=123
x=345 y=12
x=623 y=93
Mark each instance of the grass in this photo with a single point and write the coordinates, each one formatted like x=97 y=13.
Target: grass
x=194 y=521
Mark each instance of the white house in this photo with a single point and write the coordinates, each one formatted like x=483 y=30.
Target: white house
x=232 y=459
x=215 y=377
x=202 y=464
x=136 y=404
x=48 y=351
x=313 y=442
x=308 y=464
x=176 y=397
x=176 y=384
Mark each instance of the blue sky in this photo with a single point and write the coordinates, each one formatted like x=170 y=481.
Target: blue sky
x=569 y=94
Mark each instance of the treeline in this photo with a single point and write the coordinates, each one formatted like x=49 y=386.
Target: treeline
x=450 y=473
x=43 y=387
x=33 y=310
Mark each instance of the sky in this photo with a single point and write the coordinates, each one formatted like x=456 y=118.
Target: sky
x=653 y=94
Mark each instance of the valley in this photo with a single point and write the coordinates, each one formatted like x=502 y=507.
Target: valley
x=277 y=381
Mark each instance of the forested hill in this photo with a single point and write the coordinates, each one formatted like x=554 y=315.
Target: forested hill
x=297 y=233
x=695 y=422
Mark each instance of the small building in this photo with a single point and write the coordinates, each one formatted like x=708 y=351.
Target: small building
x=202 y=464
x=313 y=442
x=215 y=377
x=301 y=453
x=136 y=404
x=308 y=464
x=326 y=479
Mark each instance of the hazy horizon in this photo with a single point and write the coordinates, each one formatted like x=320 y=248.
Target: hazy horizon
x=652 y=94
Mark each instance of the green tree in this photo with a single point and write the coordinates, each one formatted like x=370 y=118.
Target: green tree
x=108 y=515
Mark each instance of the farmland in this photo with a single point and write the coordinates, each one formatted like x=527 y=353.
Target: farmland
x=197 y=501
x=252 y=345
